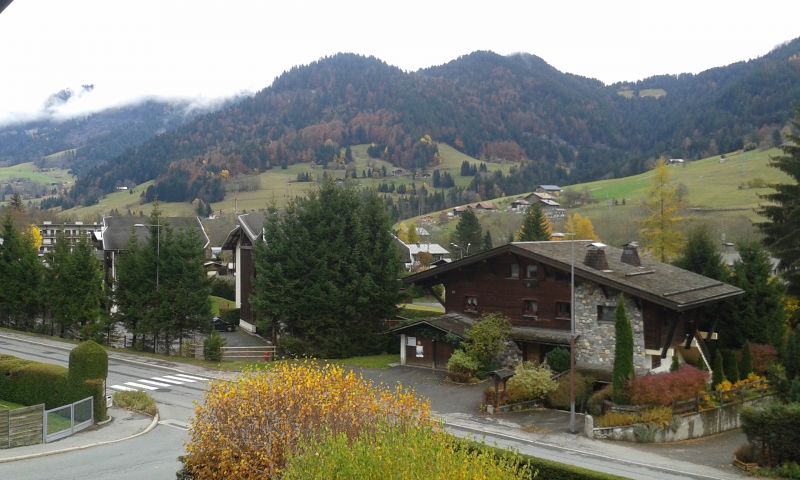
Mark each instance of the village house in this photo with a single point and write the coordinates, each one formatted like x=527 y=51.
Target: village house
x=551 y=189
x=530 y=283
x=410 y=253
x=248 y=231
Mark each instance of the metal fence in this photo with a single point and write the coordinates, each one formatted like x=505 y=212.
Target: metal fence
x=63 y=421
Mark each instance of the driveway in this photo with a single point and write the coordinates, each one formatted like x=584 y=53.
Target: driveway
x=462 y=402
x=240 y=338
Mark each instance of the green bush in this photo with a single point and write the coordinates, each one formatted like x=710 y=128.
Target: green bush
x=212 y=347
x=486 y=339
x=530 y=382
x=773 y=433
x=558 y=359
x=461 y=367
x=595 y=403
x=560 y=397
x=95 y=388
x=88 y=361
x=232 y=315
x=223 y=289
x=718 y=375
x=140 y=402
x=623 y=371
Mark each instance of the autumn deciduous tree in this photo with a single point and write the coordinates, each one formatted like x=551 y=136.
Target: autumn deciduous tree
x=659 y=228
x=581 y=226
x=247 y=429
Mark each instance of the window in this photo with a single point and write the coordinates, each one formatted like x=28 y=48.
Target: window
x=562 y=310
x=471 y=304
x=532 y=271
x=561 y=276
x=606 y=314
x=514 y=271
x=530 y=308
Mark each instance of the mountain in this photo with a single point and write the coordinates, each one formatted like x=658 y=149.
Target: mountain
x=87 y=140
x=565 y=128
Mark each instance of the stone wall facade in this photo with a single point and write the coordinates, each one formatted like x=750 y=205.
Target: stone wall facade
x=596 y=339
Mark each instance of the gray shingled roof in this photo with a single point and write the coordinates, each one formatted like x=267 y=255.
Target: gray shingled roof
x=252 y=224
x=117 y=230
x=660 y=283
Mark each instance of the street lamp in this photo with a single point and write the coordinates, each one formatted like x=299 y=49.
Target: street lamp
x=158 y=244
x=461 y=250
x=572 y=333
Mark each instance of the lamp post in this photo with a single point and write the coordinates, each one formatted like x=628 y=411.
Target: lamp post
x=572 y=333
x=461 y=250
x=158 y=244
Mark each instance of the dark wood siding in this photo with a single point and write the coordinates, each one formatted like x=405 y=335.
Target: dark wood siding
x=496 y=291
x=427 y=350
x=657 y=321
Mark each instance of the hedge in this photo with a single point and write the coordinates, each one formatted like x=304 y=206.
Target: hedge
x=88 y=361
x=31 y=383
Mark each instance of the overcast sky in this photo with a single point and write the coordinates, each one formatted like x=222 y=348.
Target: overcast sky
x=199 y=48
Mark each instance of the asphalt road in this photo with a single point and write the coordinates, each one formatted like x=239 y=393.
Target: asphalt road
x=151 y=456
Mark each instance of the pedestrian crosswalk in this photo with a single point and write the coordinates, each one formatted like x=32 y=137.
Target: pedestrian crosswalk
x=155 y=383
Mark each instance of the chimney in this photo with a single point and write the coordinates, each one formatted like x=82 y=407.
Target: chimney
x=630 y=254
x=596 y=256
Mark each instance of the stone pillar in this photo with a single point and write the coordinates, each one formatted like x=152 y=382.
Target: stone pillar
x=588 y=426
x=402 y=349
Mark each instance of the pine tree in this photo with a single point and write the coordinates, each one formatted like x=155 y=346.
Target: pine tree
x=791 y=355
x=701 y=255
x=469 y=234
x=623 y=353
x=759 y=314
x=730 y=366
x=487 y=240
x=659 y=229
x=782 y=210
x=535 y=226
x=20 y=278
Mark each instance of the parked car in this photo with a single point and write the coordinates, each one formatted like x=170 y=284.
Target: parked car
x=222 y=325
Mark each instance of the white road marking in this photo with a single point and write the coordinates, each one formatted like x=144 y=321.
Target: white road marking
x=166 y=380
x=122 y=388
x=183 y=375
x=140 y=385
x=150 y=382
x=177 y=379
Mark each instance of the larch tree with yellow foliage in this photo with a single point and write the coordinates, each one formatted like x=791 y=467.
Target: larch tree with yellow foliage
x=581 y=226
x=659 y=228
x=36 y=237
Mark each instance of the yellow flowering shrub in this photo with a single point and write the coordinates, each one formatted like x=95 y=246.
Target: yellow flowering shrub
x=248 y=428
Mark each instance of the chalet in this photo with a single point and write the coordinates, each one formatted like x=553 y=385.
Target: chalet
x=485 y=206
x=410 y=253
x=457 y=211
x=530 y=283
x=520 y=205
x=249 y=230
x=117 y=231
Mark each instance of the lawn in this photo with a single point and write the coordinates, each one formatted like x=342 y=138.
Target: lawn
x=6 y=405
x=27 y=171
x=370 y=361
x=219 y=303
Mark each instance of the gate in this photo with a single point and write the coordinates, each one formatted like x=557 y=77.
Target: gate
x=63 y=421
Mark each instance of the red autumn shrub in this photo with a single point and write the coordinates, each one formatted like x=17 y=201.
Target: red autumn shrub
x=665 y=388
x=762 y=356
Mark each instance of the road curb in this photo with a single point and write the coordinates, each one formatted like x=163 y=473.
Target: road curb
x=538 y=443
x=150 y=427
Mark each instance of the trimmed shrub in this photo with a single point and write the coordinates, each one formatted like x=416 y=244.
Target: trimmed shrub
x=212 y=347
x=88 y=361
x=659 y=417
x=773 y=432
x=444 y=458
x=461 y=367
x=623 y=353
x=616 y=419
x=718 y=375
x=675 y=365
x=530 y=382
x=664 y=388
x=558 y=359
x=96 y=389
x=730 y=365
x=559 y=398
x=140 y=402
x=747 y=361
x=223 y=289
